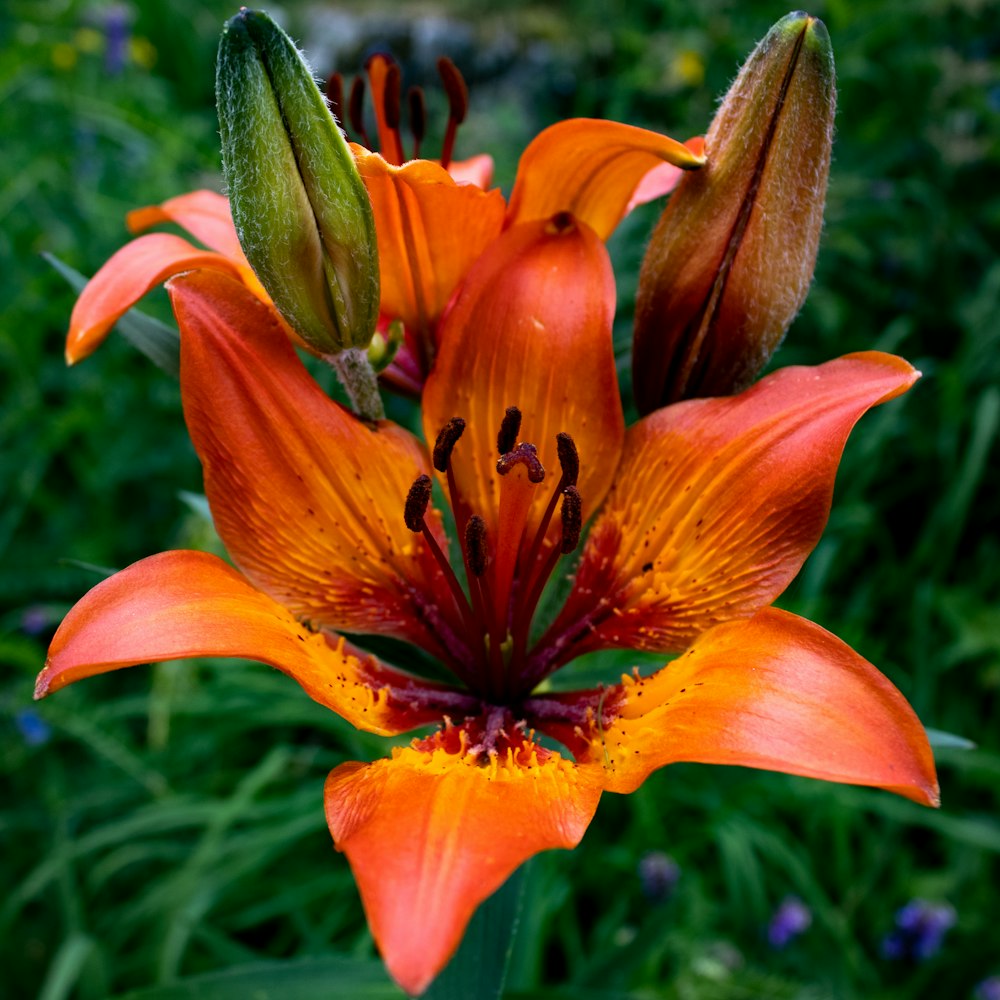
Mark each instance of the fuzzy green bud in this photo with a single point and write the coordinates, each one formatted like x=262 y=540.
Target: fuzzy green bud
x=300 y=207
x=732 y=257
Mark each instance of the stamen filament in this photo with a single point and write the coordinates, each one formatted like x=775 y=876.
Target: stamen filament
x=458 y=105
x=418 y=117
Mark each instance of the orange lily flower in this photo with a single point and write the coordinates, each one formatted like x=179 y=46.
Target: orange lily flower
x=702 y=514
x=433 y=219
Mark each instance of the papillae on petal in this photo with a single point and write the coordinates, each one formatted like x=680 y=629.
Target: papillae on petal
x=716 y=505
x=776 y=692
x=307 y=498
x=430 y=834
x=184 y=604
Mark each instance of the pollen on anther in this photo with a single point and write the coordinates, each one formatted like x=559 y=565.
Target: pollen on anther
x=510 y=427
x=446 y=440
x=417 y=500
x=569 y=458
x=455 y=89
x=571 y=512
x=475 y=545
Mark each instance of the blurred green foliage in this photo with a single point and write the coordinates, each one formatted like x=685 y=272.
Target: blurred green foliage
x=166 y=823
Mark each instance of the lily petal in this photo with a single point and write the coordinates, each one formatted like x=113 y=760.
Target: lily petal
x=590 y=168
x=131 y=272
x=531 y=327
x=204 y=214
x=776 y=692
x=430 y=834
x=307 y=498
x=716 y=505
x=663 y=178
x=476 y=170
x=188 y=604
x=430 y=230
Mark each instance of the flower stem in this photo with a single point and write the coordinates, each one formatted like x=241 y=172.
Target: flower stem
x=359 y=381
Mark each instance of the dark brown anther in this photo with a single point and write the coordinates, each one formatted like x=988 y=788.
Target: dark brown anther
x=446 y=440
x=418 y=117
x=569 y=459
x=524 y=454
x=390 y=103
x=417 y=500
x=455 y=89
x=475 y=545
x=335 y=96
x=572 y=519
x=510 y=427
x=458 y=105
x=356 y=109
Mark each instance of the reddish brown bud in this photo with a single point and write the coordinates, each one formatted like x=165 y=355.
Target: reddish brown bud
x=733 y=254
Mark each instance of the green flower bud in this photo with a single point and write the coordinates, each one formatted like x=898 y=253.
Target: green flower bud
x=300 y=207
x=732 y=257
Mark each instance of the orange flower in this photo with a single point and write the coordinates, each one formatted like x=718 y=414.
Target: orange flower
x=432 y=221
x=703 y=512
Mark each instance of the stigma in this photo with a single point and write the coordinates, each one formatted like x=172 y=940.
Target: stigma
x=507 y=556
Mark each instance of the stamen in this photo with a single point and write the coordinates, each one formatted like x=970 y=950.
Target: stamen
x=335 y=96
x=572 y=519
x=510 y=427
x=446 y=440
x=356 y=110
x=390 y=107
x=458 y=105
x=417 y=500
x=569 y=459
x=418 y=117
x=475 y=545
x=524 y=454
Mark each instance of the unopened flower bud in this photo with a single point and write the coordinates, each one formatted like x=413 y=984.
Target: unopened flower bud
x=300 y=207
x=732 y=256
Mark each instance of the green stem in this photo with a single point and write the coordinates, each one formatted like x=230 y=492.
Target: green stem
x=478 y=969
x=359 y=381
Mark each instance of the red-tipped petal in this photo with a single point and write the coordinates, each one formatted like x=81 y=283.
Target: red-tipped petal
x=531 y=327
x=717 y=503
x=204 y=214
x=776 y=692
x=590 y=168
x=477 y=170
x=187 y=604
x=135 y=269
x=430 y=834
x=307 y=498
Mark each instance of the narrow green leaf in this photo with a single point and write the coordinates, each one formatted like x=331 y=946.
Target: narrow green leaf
x=159 y=342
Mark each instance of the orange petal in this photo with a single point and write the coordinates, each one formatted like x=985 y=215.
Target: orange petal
x=185 y=604
x=776 y=692
x=716 y=505
x=590 y=168
x=476 y=170
x=430 y=834
x=135 y=269
x=430 y=230
x=531 y=327
x=204 y=214
x=307 y=498
x=663 y=178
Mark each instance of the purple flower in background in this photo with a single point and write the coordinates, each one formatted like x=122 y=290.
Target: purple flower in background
x=988 y=989
x=33 y=728
x=35 y=620
x=920 y=929
x=791 y=919
x=658 y=874
x=116 y=30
